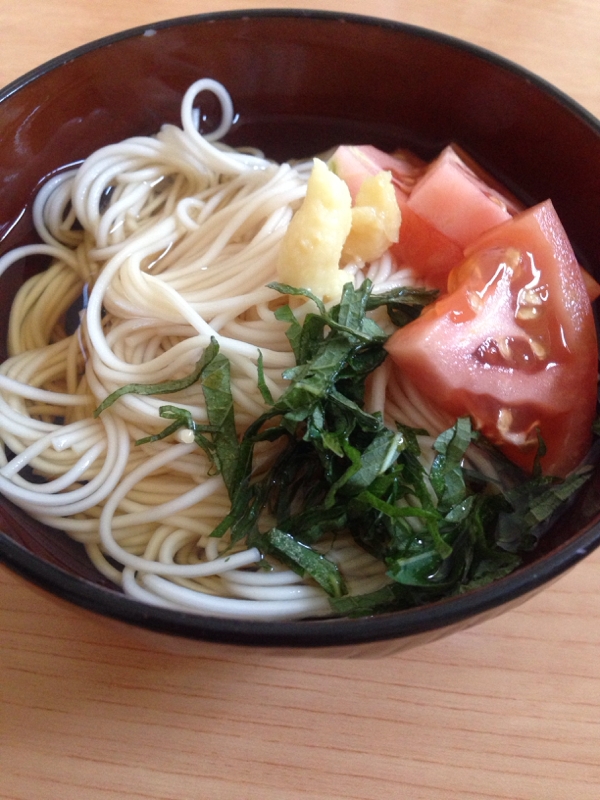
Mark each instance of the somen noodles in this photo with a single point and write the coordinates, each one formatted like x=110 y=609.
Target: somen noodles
x=158 y=246
x=177 y=239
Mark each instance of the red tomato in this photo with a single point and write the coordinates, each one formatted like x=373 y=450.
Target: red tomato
x=456 y=201
x=513 y=205
x=426 y=250
x=422 y=247
x=513 y=345
x=445 y=205
x=354 y=163
x=592 y=286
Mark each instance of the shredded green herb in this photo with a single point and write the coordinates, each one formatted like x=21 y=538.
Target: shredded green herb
x=440 y=531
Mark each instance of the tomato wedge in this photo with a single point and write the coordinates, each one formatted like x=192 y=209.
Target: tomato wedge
x=513 y=345
x=456 y=201
x=426 y=250
x=446 y=205
x=355 y=162
x=422 y=246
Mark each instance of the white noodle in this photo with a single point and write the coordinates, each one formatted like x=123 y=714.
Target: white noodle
x=177 y=237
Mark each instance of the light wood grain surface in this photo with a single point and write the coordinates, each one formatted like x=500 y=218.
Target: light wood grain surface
x=510 y=709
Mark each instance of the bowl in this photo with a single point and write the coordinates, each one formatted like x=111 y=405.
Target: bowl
x=301 y=82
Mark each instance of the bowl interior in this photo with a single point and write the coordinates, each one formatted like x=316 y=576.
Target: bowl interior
x=301 y=82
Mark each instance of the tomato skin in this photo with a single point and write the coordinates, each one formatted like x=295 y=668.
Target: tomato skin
x=445 y=206
x=354 y=163
x=452 y=198
x=425 y=249
x=513 y=205
x=592 y=286
x=513 y=344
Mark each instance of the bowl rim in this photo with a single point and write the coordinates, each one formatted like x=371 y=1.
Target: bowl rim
x=305 y=13
x=328 y=632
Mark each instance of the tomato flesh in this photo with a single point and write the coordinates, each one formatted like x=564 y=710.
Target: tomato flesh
x=421 y=246
x=512 y=345
x=456 y=201
x=445 y=206
x=354 y=163
x=427 y=251
x=592 y=286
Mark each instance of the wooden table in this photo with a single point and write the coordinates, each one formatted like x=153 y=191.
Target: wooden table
x=510 y=709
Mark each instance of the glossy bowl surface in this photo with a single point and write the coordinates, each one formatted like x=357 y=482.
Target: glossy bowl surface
x=301 y=82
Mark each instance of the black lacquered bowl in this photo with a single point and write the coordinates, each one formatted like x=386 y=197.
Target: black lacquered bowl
x=301 y=82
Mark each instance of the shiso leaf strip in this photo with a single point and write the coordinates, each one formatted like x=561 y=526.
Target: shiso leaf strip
x=439 y=532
